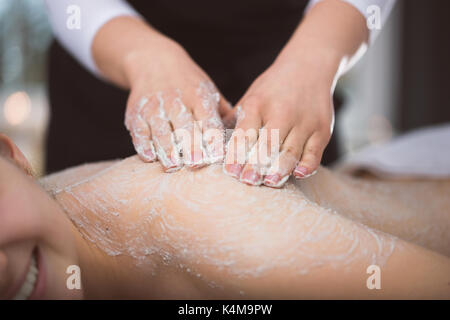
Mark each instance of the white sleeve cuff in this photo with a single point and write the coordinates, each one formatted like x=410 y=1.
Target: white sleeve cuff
x=76 y=22
x=368 y=9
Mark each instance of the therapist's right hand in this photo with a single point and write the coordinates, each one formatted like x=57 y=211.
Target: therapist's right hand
x=174 y=111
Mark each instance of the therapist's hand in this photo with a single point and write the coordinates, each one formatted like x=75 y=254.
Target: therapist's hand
x=292 y=100
x=174 y=110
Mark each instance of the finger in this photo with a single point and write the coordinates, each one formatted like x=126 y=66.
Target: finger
x=163 y=137
x=225 y=108
x=242 y=140
x=311 y=156
x=263 y=152
x=282 y=167
x=206 y=111
x=140 y=133
x=227 y=113
x=253 y=172
x=187 y=133
x=229 y=119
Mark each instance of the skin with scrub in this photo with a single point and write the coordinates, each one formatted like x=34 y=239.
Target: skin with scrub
x=136 y=232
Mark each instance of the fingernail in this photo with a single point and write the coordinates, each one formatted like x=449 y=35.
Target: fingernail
x=146 y=152
x=171 y=164
x=310 y=175
x=300 y=172
x=172 y=168
x=272 y=179
x=280 y=181
x=251 y=177
x=233 y=170
x=150 y=155
x=196 y=160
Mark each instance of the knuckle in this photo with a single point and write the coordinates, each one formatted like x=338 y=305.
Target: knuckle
x=324 y=136
x=324 y=124
x=151 y=105
x=288 y=108
x=313 y=149
x=130 y=123
x=279 y=117
x=290 y=151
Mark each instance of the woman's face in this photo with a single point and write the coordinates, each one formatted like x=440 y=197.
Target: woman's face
x=37 y=242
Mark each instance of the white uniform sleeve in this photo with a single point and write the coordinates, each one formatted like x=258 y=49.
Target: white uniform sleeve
x=76 y=22
x=371 y=10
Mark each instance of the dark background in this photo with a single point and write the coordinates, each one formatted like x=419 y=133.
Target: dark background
x=425 y=64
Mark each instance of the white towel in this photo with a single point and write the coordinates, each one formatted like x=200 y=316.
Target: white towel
x=421 y=153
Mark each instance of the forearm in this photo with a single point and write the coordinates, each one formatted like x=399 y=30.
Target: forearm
x=293 y=95
x=76 y=22
x=331 y=34
x=160 y=73
x=121 y=41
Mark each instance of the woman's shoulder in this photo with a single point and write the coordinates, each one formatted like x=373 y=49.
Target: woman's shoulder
x=59 y=180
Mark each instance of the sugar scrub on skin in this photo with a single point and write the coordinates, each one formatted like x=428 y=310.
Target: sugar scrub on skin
x=134 y=209
x=210 y=99
x=170 y=159
x=213 y=129
x=166 y=137
x=143 y=145
x=396 y=207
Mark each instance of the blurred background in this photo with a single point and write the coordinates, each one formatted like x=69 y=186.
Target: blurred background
x=25 y=36
x=400 y=84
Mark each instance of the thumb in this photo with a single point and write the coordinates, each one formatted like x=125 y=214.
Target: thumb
x=227 y=113
x=224 y=106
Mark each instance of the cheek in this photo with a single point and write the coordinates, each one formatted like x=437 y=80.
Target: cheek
x=19 y=219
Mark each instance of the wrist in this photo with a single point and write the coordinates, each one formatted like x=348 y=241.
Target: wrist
x=331 y=33
x=314 y=64
x=138 y=61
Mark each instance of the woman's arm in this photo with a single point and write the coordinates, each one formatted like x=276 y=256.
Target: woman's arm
x=234 y=240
